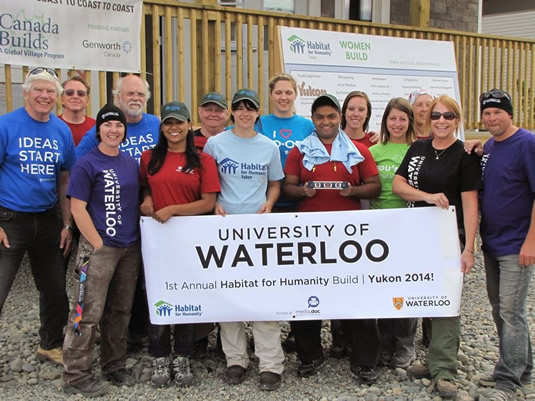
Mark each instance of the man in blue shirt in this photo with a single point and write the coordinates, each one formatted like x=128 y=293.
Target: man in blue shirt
x=36 y=154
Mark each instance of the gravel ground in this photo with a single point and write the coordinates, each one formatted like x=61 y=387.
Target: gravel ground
x=22 y=377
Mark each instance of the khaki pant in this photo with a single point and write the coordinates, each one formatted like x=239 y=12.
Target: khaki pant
x=109 y=292
x=267 y=344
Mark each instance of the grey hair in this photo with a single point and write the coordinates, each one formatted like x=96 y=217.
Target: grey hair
x=42 y=76
x=115 y=92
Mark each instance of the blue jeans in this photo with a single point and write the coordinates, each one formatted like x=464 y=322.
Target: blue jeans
x=38 y=234
x=507 y=288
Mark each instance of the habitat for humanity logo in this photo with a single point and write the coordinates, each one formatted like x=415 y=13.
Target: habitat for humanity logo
x=163 y=308
x=228 y=166
x=297 y=45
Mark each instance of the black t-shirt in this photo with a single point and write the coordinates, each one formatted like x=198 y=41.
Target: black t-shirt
x=452 y=172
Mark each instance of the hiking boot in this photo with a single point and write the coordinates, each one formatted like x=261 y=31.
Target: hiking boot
x=499 y=395
x=120 y=377
x=235 y=374
x=90 y=387
x=161 y=375
x=402 y=361
x=419 y=372
x=53 y=355
x=487 y=381
x=364 y=375
x=182 y=375
x=446 y=388
x=307 y=369
x=269 y=381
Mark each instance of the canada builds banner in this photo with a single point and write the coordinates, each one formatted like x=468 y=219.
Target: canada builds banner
x=330 y=265
x=77 y=34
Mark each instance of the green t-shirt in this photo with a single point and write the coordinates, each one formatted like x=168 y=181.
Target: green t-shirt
x=388 y=158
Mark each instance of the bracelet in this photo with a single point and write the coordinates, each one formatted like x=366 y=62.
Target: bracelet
x=67 y=227
x=469 y=250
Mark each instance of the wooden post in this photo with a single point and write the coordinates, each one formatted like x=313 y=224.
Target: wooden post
x=419 y=13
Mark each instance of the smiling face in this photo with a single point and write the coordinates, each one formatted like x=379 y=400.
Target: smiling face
x=176 y=132
x=213 y=116
x=356 y=113
x=132 y=97
x=442 y=128
x=40 y=99
x=111 y=134
x=397 y=124
x=75 y=96
x=421 y=108
x=497 y=121
x=282 y=98
x=244 y=116
x=326 y=119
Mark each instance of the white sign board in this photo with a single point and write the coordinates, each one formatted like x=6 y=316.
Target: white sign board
x=382 y=67
x=330 y=265
x=72 y=34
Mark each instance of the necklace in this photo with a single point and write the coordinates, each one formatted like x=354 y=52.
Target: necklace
x=437 y=154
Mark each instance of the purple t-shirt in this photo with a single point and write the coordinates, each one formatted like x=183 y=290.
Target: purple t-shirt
x=508 y=192
x=110 y=186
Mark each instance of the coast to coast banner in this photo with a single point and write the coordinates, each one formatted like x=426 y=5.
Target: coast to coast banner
x=298 y=266
x=77 y=34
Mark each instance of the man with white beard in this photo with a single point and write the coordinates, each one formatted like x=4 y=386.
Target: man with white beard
x=131 y=95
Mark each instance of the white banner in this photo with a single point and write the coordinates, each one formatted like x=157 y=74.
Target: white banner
x=330 y=265
x=77 y=34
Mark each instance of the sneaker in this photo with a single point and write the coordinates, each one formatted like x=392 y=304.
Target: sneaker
x=419 y=372
x=402 y=361
x=182 y=371
x=161 y=375
x=120 y=377
x=91 y=387
x=446 y=388
x=53 y=355
x=269 y=381
x=364 y=375
x=307 y=369
x=487 y=381
x=500 y=395
x=235 y=374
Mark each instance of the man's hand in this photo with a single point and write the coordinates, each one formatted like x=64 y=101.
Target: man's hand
x=3 y=238
x=65 y=241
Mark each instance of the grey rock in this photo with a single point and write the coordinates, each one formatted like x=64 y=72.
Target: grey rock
x=16 y=365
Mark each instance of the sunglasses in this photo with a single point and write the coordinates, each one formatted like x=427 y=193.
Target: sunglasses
x=79 y=92
x=495 y=93
x=448 y=115
x=39 y=70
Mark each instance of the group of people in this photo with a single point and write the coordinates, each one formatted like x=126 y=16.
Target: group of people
x=130 y=163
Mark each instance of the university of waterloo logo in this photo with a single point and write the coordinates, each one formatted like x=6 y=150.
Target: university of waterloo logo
x=398 y=302
x=163 y=308
x=297 y=45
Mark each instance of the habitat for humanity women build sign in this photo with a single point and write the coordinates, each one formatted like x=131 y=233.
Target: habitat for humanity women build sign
x=77 y=34
x=286 y=266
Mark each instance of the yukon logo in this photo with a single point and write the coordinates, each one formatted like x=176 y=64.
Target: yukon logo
x=398 y=303
x=297 y=45
x=163 y=308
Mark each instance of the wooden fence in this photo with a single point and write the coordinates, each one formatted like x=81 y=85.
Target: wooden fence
x=189 y=49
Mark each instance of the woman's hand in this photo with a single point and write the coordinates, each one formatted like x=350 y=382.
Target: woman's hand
x=219 y=210
x=467 y=261
x=147 y=207
x=439 y=200
x=164 y=214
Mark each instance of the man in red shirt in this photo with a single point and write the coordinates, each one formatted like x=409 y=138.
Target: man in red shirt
x=75 y=100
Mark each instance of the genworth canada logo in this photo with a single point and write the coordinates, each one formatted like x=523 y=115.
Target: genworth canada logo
x=127 y=46
x=163 y=308
x=297 y=45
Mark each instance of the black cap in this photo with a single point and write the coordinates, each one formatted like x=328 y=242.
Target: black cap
x=324 y=100
x=110 y=113
x=496 y=98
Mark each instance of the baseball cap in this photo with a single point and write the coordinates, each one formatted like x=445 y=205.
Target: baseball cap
x=325 y=99
x=246 y=94
x=214 y=97
x=176 y=110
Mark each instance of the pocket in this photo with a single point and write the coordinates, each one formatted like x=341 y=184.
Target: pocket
x=6 y=214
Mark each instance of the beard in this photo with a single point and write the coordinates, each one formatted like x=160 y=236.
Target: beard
x=132 y=109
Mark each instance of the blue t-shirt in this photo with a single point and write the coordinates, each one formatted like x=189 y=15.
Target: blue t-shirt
x=245 y=166
x=140 y=136
x=32 y=154
x=508 y=192
x=110 y=186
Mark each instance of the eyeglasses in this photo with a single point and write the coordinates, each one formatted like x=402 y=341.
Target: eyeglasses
x=494 y=93
x=448 y=115
x=79 y=92
x=39 y=70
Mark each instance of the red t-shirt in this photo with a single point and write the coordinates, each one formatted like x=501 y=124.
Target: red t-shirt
x=79 y=130
x=172 y=186
x=365 y=140
x=327 y=200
